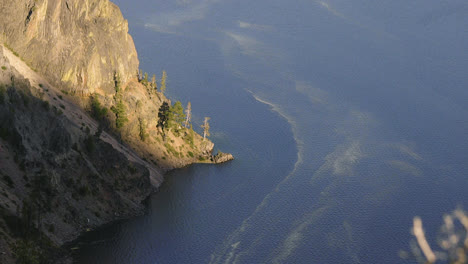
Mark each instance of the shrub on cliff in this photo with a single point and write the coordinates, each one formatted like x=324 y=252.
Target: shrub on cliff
x=120 y=112
x=143 y=134
x=97 y=110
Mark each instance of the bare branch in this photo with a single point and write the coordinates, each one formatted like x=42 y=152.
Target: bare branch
x=464 y=221
x=418 y=232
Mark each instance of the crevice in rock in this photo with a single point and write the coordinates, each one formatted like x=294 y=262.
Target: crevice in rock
x=28 y=17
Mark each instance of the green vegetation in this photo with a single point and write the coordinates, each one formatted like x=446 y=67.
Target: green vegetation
x=119 y=108
x=150 y=85
x=4 y=68
x=120 y=113
x=143 y=80
x=142 y=124
x=176 y=117
x=170 y=149
x=117 y=82
x=189 y=137
x=163 y=117
x=97 y=111
x=11 y=49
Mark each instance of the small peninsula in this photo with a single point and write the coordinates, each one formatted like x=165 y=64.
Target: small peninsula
x=85 y=135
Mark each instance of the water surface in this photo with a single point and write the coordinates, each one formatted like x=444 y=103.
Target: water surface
x=347 y=119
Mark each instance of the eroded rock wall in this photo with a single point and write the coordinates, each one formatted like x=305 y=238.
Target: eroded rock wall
x=77 y=44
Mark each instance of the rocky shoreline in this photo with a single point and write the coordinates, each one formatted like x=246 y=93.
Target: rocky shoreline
x=66 y=166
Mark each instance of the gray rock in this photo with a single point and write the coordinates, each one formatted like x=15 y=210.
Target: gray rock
x=222 y=157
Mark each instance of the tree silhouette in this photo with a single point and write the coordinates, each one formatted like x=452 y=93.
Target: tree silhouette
x=163 y=117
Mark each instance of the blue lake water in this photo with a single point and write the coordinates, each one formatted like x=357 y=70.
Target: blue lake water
x=347 y=119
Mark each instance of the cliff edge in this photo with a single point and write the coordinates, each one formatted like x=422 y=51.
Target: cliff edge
x=77 y=45
x=81 y=140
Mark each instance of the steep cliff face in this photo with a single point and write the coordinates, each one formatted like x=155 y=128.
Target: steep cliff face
x=58 y=177
x=78 y=45
x=61 y=171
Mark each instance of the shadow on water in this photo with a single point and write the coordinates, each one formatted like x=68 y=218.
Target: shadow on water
x=346 y=120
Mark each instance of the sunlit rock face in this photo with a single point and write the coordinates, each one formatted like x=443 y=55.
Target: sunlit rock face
x=78 y=45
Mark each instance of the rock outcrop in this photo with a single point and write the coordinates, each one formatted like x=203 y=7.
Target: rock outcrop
x=78 y=45
x=79 y=142
x=57 y=176
x=221 y=157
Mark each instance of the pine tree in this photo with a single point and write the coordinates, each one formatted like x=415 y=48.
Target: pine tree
x=142 y=123
x=176 y=116
x=163 y=117
x=120 y=114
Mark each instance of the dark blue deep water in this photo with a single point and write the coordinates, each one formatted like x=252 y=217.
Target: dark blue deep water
x=347 y=119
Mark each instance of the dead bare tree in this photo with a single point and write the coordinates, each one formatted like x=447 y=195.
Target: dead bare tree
x=188 y=114
x=206 y=128
x=453 y=240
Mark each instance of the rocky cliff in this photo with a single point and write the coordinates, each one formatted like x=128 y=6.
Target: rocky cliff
x=77 y=44
x=57 y=176
x=79 y=142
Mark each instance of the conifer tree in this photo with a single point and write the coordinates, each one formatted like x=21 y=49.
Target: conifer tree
x=120 y=114
x=163 y=117
x=176 y=115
